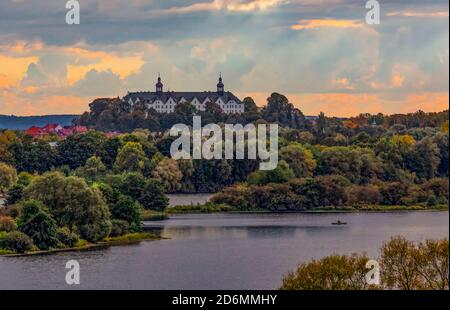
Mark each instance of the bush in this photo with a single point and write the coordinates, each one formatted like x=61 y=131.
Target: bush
x=236 y=196
x=96 y=231
x=66 y=237
x=153 y=196
x=72 y=203
x=11 y=211
x=15 y=194
x=3 y=243
x=119 y=228
x=8 y=176
x=36 y=222
x=415 y=266
x=336 y=272
x=18 y=242
x=363 y=195
x=127 y=209
x=7 y=224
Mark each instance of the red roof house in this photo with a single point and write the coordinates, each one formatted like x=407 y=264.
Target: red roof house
x=34 y=131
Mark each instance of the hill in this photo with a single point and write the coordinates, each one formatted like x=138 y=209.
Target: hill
x=23 y=122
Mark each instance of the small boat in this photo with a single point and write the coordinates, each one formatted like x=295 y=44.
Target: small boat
x=339 y=223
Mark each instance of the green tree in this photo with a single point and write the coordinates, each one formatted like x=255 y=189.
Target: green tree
x=281 y=111
x=441 y=140
x=153 y=196
x=132 y=185
x=17 y=241
x=168 y=173
x=72 y=203
x=322 y=123
x=8 y=176
x=33 y=156
x=131 y=158
x=128 y=210
x=76 y=149
x=93 y=169
x=424 y=159
x=282 y=173
x=15 y=193
x=38 y=224
x=359 y=165
x=300 y=160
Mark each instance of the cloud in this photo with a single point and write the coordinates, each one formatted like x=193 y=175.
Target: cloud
x=305 y=48
x=100 y=84
x=439 y=14
x=228 y=5
x=326 y=23
x=13 y=69
x=346 y=105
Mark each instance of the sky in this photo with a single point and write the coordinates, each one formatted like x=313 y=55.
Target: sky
x=321 y=54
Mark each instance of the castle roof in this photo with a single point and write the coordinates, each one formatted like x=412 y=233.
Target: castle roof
x=177 y=96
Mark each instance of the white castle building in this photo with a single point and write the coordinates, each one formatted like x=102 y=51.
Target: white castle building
x=165 y=102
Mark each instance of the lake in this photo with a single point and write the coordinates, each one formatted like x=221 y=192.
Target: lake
x=188 y=199
x=222 y=251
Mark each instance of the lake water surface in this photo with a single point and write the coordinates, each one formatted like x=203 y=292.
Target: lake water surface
x=222 y=251
x=188 y=199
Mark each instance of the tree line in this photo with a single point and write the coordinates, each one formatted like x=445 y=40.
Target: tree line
x=324 y=163
x=403 y=265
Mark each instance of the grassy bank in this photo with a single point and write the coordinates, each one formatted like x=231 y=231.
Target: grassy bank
x=130 y=238
x=83 y=245
x=200 y=208
x=221 y=208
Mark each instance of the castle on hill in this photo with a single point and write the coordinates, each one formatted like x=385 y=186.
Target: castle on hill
x=165 y=102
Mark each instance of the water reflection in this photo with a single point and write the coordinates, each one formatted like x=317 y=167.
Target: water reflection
x=222 y=251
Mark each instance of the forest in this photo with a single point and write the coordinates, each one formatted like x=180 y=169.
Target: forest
x=122 y=167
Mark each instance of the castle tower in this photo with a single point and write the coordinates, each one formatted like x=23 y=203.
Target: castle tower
x=159 y=86
x=220 y=86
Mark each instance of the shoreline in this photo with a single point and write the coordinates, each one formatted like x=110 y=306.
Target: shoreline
x=204 y=209
x=124 y=240
x=135 y=238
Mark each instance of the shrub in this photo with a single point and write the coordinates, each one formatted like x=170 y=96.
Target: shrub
x=72 y=203
x=66 y=237
x=8 y=176
x=95 y=231
x=127 y=209
x=15 y=194
x=119 y=228
x=153 y=196
x=3 y=243
x=362 y=195
x=410 y=266
x=236 y=196
x=7 y=224
x=18 y=242
x=36 y=222
x=336 y=272
x=11 y=211
x=393 y=192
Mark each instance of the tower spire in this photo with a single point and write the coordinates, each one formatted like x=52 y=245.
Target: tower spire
x=159 y=85
x=220 y=86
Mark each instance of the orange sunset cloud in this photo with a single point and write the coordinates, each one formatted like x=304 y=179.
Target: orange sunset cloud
x=13 y=69
x=101 y=61
x=345 y=105
x=325 y=23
